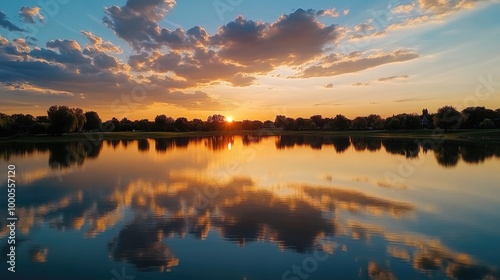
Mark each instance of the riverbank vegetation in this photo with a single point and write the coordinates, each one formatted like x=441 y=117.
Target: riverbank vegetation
x=74 y=123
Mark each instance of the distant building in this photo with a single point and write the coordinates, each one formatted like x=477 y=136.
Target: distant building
x=425 y=119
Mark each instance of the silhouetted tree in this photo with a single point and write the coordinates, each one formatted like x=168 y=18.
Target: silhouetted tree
x=164 y=123
x=473 y=116
x=126 y=125
x=340 y=122
x=143 y=125
x=38 y=128
x=375 y=122
x=300 y=123
x=487 y=124
x=318 y=121
x=6 y=123
x=93 y=121
x=81 y=119
x=42 y=119
x=280 y=121
x=181 y=124
x=393 y=123
x=447 y=117
x=359 y=123
x=62 y=120
x=410 y=121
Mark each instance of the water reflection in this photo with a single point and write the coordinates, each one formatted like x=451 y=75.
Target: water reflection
x=447 y=153
x=173 y=191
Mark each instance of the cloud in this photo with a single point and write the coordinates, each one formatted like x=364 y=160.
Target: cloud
x=330 y=85
x=28 y=14
x=98 y=44
x=137 y=23
x=346 y=12
x=292 y=40
x=239 y=50
x=404 y=8
x=333 y=65
x=383 y=79
x=406 y=100
x=197 y=101
x=393 y=78
x=328 y=13
x=64 y=67
x=361 y=84
x=5 y=23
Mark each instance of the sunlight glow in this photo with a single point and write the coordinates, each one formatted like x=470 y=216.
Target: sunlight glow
x=229 y=119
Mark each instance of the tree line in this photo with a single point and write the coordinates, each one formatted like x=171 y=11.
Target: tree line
x=63 y=119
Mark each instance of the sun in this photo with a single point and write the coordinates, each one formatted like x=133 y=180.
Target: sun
x=229 y=119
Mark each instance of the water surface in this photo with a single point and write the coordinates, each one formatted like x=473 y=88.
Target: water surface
x=247 y=207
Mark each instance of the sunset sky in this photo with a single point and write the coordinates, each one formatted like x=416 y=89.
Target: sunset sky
x=248 y=59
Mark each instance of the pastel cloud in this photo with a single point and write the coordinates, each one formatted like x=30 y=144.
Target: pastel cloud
x=335 y=64
x=29 y=15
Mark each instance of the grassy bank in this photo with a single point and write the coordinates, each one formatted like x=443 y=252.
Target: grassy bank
x=464 y=135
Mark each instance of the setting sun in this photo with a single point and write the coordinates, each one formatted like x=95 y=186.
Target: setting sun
x=229 y=119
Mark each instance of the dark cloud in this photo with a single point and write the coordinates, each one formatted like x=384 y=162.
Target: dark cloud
x=7 y=24
x=137 y=23
x=330 y=85
x=292 y=40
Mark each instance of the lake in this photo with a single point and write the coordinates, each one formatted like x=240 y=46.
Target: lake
x=251 y=207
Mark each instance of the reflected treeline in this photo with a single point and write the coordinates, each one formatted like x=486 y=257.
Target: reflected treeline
x=317 y=142
x=61 y=155
x=448 y=153
x=409 y=149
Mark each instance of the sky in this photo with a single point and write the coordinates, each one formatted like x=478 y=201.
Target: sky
x=248 y=59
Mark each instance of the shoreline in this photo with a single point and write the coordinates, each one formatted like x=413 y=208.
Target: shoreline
x=489 y=135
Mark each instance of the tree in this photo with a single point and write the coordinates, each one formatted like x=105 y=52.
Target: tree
x=6 y=123
x=280 y=121
x=42 y=119
x=93 y=121
x=164 y=123
x=473 y=116
x=375 y=121
x=300 y=123
x=318 y=121
x=410 y=121
x=81 y=119
x=181 y=124
x=38 y=128
x=393 y=123
x=340 y=122
x=487 y=124
x=126 y=125
x=359 y=123
x=62 y=119
x=21 y=123
x=447 y=117
x=216 y=118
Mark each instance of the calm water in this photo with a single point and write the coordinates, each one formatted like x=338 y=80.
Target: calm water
x=254 y=208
